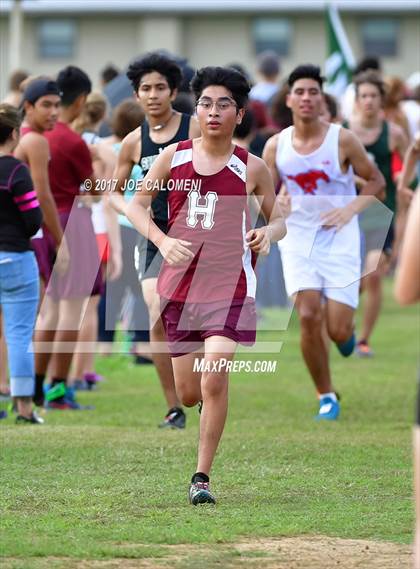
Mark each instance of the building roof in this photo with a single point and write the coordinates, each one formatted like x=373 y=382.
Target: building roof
x=207 y=6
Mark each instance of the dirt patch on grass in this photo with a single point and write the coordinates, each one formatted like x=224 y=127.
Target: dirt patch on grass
x=324 y=552
x=282 y=553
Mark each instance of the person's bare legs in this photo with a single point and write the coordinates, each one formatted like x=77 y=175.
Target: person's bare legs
x=340 y=321
x=65 y=339
x=45 y=330
x=24 y=406
x=210 y=387
x=325 y=336
x=158 y=350
x=314 y=350
x=376 y=263
x=417 y=495
x=84 y=356
x=187 y=381
x=214 y=389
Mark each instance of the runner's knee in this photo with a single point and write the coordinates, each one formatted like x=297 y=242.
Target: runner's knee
x=340 y=331
x=213 y=384
x=310 y=317
x=188 y=395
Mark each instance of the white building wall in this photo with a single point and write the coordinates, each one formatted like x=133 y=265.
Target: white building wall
x=4 y=55
x=203 y=39
x=161 y=33
x=218 y=41
x=100 y=41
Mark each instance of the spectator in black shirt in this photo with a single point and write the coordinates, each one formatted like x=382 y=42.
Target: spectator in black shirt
x=20 y=218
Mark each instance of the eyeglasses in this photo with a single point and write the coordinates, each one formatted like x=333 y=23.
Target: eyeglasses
x=221 y=104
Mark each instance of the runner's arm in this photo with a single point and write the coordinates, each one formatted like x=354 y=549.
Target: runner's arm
x=407 y=282
x=114 y=267
x=122 y=172
x=138 y=211
x=401 y=142
x=357 y=157
x=37 y=152
x=269 y=157
x=353 y=154
x=259 y=239
x=23 y=195
x=410 y=163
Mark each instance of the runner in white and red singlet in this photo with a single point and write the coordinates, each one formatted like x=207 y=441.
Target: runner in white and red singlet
x=315 y=162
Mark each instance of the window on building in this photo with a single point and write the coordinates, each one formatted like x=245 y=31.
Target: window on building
x=56 y=38
x=272 y=33
x=380 y=37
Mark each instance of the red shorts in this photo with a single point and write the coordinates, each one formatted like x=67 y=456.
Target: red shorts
x=187 y=325
x=103 y=246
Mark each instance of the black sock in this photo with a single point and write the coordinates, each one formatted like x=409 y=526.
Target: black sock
x=175 y=410
x=56 y=380
x=39 y=387
x=200 y=477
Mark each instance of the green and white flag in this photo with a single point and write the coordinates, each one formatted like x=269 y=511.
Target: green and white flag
x=340 y=60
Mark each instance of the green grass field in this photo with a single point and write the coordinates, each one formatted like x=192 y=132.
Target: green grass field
x=108 y=484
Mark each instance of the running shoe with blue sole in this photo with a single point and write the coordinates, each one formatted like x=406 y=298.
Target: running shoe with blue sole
x=347 y=348
x=329 y=409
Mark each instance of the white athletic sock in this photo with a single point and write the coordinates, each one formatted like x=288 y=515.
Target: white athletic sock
x=331 y=395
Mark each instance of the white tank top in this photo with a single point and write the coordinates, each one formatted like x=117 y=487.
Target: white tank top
x=316 y=185
x=98 y=217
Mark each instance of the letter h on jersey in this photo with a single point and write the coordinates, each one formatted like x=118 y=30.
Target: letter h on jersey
x=204 y=210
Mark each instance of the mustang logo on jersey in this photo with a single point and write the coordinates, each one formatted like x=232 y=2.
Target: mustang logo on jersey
x=308 y=181
x=204 y=210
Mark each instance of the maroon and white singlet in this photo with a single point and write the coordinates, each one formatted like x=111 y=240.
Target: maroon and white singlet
x=216 y=290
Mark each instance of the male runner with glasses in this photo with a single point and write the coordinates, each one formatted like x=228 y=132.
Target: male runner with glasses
x=207 y=281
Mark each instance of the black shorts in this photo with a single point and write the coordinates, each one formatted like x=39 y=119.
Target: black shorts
x=147 y=256
x=148 y=259
x=373 y=240
x=389 y=240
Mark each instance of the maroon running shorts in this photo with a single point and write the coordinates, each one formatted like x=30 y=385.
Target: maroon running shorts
x=187 y=325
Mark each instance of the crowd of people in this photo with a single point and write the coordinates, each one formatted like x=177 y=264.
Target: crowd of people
x=92 y=238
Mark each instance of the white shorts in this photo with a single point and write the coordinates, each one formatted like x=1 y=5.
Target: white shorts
x=338 y=277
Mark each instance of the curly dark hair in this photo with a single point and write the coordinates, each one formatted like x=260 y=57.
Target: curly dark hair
x=155 y=62
x=307 y=71
x=227 y=77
